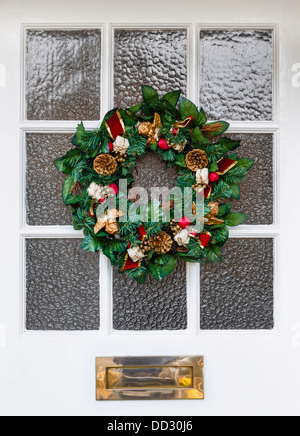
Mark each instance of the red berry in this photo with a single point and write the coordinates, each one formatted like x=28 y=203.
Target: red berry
x=175 y=131
x=102 y=200
x=213 y=177
x=162 y=143
x=111 y=147
x=114 y=187
x=185 y=222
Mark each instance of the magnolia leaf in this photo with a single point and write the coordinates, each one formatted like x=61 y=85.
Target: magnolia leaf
x=150 y=95
x=245 y=163
x=169 y=266
x=91 y=243
x=188 y=109
x=172 y=97
x=235 y=219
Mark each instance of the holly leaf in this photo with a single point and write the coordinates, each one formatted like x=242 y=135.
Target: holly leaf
x=150 y=95
x=172 y=97
x=235 y=219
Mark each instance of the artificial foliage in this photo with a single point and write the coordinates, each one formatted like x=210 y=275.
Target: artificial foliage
x=207 y=162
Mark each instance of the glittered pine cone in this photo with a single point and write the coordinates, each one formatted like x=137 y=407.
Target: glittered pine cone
x=105 y=164
x=162 y=243
x=196 y=159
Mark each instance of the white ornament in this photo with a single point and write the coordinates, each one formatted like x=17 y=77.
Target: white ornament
x=202 y=176
x=182 y=238
x=180 y=147
x=135 y=253
x=94 y=191
x=121 y=145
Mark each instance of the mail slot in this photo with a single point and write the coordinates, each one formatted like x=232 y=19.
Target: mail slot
x=138 y=378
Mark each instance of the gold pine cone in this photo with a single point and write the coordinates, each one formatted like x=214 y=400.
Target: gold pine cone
x=105 y=164
x=161 y=243
x=196 y=160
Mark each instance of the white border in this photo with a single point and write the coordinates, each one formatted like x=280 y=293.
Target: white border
x=107 y=94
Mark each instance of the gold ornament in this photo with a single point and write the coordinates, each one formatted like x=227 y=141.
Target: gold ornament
x=105 y=164
x=196 y=159
x=210 y=219
x=175 y=227
x=151 y=130
x=162 y=243
x=109 y=221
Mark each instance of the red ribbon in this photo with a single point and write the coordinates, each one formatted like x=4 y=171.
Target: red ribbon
x=115 y=125
x=224 y=165
x=204 y=239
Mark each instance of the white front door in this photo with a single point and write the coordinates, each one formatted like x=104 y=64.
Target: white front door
x=61 y=63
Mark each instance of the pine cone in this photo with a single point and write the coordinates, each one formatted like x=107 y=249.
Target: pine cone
x=161 y=243
x=105 y=165
x=196 y=159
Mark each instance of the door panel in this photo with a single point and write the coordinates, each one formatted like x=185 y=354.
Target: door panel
x=61 y=308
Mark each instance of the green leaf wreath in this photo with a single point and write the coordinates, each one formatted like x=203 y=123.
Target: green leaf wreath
x=180 y=134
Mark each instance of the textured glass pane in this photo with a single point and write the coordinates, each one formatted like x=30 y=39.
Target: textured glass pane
x=44 y=205
x=152 y=172
x=152 y=306
x=236 y=74
x=63 y=74
x=62 y=284
x=238 y=293
x=156 y=58
x=257 y=190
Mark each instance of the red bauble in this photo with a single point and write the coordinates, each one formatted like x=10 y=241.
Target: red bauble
x=213 y=177
x=114 y=187
x=185 y=222
x=111 y=147
x=162 y=143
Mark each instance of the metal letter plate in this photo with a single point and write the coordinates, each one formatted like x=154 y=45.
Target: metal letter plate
x=149 y=378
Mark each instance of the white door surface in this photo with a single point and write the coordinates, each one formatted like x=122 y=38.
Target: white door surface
x=62 y=62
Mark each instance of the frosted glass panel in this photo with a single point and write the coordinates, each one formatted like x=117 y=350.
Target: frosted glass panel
x=44 y=205
x=236 y=74
x=238 y=294
x=152 y=306
x=62 y=286
x=257 y=190
x=152 y=172
x=63 y=74
x=156 y=58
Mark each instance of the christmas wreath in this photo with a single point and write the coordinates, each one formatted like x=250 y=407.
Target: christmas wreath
x=153 y=238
